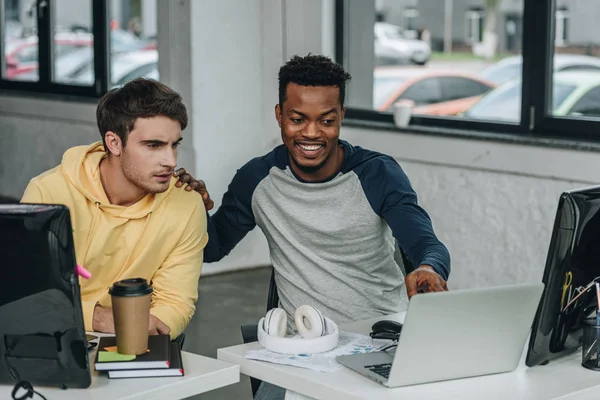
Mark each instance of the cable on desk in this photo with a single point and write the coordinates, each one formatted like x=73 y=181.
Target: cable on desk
x=388 y=346
x=25 y=385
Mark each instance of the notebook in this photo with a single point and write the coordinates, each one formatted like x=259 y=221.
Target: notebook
x=158 y=355
x=176 y=368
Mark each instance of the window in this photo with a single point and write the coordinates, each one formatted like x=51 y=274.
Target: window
x=474 y=26
x=588 y=105
x=410 y=24
x=560 y=30
x=455 y=88
x=77 y=47
x=576 y=62
x=73 y=44
x=446 y=68
x=427 y=91
x=477 y=71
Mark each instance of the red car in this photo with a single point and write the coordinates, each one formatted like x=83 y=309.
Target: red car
x=434 y=92
x=21 y=55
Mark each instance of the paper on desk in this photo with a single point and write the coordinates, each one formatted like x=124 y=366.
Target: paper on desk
x=348 y=343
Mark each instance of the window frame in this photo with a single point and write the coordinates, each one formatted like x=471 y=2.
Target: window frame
x=45 y=84
x=536 y=121
x=474 y=21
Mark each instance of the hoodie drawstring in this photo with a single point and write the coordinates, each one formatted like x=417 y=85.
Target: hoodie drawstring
x=125 y=264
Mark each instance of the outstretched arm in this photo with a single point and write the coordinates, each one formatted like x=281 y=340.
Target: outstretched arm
x=391 y=195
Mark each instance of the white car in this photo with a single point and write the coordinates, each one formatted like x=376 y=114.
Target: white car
x=124 y=67
x=392 y=48
x=510 y=67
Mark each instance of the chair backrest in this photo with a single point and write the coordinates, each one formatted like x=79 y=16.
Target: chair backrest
x=272 y=296
x=403 y=262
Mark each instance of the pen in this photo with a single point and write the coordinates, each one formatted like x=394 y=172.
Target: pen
x=583 y=291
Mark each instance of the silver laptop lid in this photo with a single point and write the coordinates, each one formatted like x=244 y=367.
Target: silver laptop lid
x=464 y=333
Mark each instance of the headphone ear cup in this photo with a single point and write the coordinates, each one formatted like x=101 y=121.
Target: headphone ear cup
x=309 y=322
x=275 y=322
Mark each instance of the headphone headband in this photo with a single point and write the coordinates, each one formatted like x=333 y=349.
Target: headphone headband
x=298 y=344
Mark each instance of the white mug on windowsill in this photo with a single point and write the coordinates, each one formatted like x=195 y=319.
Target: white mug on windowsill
x=402 y=112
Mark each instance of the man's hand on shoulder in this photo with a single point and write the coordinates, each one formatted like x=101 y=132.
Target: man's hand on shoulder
x=193 y=184
x=157 y=327
x=424 y=279
x=103 y=320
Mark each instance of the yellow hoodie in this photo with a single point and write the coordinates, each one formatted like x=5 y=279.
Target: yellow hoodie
x=160 y=238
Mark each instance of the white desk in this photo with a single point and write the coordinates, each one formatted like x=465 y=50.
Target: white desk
x=563 y=378
x=202 y=374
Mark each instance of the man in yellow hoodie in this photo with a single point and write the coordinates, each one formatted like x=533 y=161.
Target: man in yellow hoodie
x=128 y=219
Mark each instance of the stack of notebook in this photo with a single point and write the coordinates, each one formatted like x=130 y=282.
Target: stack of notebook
x=162 y=359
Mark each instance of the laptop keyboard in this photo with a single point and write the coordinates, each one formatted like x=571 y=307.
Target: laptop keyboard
x=380 y=369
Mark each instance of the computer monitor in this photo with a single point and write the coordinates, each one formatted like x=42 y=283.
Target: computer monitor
x=42 y=335
x=572 y=266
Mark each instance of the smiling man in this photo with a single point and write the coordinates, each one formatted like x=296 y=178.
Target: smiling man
x=335 y=215
x=128 y=219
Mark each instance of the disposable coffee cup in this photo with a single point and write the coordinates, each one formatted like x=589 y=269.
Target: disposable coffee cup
x=131 y=313
x=402 y=112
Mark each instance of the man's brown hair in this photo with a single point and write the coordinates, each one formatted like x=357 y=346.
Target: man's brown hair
x=118 y=109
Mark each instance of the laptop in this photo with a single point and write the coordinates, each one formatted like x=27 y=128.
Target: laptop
x=455 y=334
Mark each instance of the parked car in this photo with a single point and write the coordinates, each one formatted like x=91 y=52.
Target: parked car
x=510 y=67
x=21 y=55
x=574 y=93
x=124 y=67
x=434 y=92
x=393 y=48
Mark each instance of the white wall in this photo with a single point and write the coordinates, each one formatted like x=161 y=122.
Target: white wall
x=35 y=133
x=492 y=204
x=227 y=88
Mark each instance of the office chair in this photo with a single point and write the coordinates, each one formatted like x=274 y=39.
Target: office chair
x=249 y=331
x=179 y=340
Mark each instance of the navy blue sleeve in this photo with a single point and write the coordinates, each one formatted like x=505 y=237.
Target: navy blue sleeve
x=392 y=197
x=234 y=218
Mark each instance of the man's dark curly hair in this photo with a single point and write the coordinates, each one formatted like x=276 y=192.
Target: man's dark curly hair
x=312 y=70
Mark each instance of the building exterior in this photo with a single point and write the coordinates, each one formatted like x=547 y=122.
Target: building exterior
x=574 y=22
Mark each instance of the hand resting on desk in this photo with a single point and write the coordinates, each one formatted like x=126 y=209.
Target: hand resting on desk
x=425 y=280
x=103 y=322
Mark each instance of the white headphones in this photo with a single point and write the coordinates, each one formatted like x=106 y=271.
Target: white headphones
x=317 y=334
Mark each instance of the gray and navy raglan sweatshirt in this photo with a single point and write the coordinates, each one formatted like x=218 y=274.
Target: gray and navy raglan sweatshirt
x=332 y=242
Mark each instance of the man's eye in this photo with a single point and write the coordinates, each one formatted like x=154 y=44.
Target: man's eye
x=176 y=145
x=296 y=120
x=328 y=121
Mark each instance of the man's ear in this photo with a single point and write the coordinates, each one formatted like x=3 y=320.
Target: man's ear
x=278 y=115
x=343 y=113
x=114 y=146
